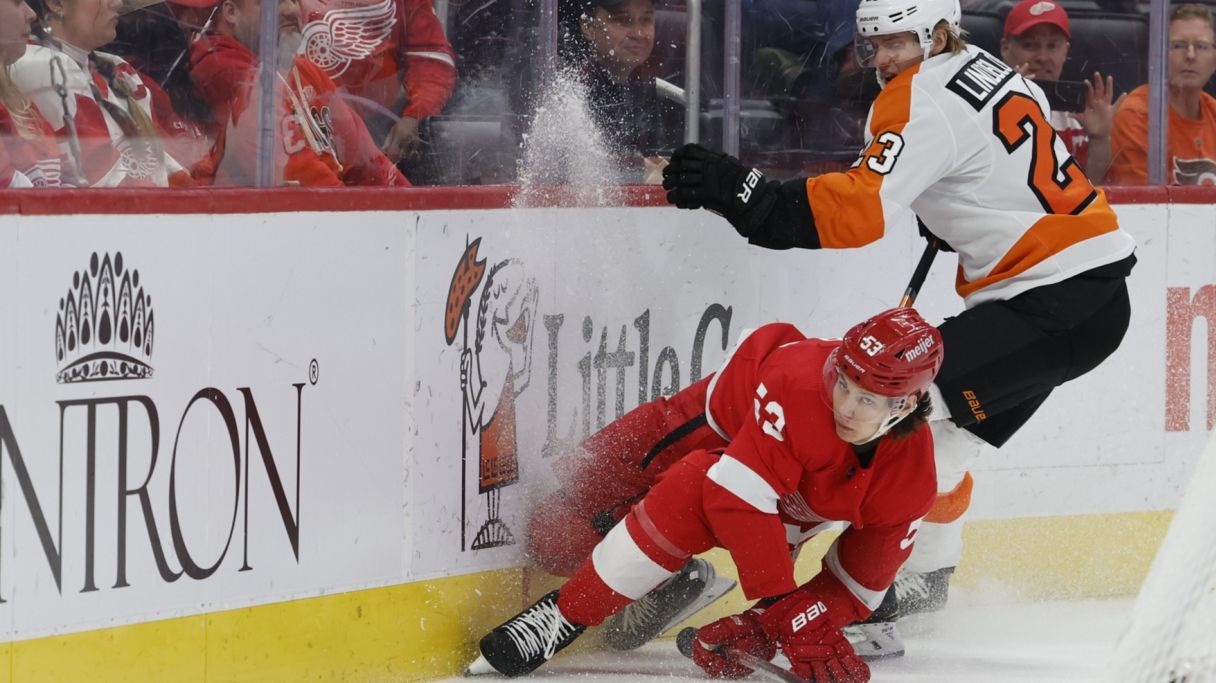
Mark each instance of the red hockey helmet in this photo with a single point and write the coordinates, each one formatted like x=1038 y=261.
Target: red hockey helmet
x=895 y=354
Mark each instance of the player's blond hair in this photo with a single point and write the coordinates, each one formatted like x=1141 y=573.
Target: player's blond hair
x=955 y=41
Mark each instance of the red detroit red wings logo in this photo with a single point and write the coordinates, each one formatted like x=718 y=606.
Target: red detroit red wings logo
x=333 y=38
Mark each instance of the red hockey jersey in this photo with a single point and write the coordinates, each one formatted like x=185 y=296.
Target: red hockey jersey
x=28 y=147
x=786 y=475
x=320 y=141
x=382 y=50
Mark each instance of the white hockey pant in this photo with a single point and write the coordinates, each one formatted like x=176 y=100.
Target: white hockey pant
x=941 y=545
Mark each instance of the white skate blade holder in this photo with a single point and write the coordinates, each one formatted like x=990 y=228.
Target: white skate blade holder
x=480 y=667
x=717 y=587
x=875 y=641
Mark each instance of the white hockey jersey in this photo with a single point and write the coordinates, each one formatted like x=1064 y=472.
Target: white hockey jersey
x=965 y=143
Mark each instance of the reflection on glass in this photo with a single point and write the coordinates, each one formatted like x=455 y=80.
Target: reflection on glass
x=155 y=40
x=390 y=60
x=804 y=94
x=29 y=155
x=154 y=93
x=319 y=141
x=104 y=113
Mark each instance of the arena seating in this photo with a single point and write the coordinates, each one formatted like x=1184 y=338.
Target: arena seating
x=1114 y=44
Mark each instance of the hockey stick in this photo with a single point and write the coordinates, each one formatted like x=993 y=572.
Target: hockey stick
x=921 y=272
x=758 y=664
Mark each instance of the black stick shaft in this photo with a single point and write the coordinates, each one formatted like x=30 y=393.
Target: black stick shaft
x=919 y=275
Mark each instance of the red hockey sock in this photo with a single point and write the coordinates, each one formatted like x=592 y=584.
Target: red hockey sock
x=585 y=599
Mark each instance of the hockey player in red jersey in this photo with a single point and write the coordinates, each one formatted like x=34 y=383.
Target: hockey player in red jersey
x=959 y=139
x=802 y=433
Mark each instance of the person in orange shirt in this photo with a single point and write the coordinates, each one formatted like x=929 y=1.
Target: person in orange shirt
x=1190 y=157
x=320 y=141
x=29 y=156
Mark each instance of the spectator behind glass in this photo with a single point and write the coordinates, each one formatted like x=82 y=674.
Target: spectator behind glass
x=1190 y=157
x=319 y=140
x=390 y=54
x=29 y=156
x=801 y=44
x=604 y=42
x=151 y=40
x=103 y=115
x=1036 y=43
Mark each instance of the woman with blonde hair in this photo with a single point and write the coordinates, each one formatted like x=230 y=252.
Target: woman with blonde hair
x=28 y=154
x=99 y=107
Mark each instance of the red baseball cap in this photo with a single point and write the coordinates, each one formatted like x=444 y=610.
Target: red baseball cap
x=1028 y=13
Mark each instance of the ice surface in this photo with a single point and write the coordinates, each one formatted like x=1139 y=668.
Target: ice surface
x=968 y=641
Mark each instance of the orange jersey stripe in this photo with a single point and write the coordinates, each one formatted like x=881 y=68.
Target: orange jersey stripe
x=1050 y=235
x=847 y=206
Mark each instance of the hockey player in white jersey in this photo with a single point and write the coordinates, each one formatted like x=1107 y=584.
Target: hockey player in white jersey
x=961 y=140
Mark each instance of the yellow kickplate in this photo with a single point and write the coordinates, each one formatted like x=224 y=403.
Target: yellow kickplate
x=397 y=633
x=429 y=629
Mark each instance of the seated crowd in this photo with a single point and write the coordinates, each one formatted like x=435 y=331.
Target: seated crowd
x=166 y=93
x=81 y=105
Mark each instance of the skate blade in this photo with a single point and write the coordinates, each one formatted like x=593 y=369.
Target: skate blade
x=480 y=667
x=873 y=642
x=714 y=589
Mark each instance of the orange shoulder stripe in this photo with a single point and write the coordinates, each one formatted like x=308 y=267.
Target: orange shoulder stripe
x=847 y=206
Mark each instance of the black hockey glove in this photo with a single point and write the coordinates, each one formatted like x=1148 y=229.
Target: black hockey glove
x=699 y=178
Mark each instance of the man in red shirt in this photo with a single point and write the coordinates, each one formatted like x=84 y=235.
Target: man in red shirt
x=319 y=141
x=790 y=436
x=390 y=55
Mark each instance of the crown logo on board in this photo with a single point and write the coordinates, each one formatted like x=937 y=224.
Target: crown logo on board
x=103 y=330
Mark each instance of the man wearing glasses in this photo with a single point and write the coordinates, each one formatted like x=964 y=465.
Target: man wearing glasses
x=1191 y=152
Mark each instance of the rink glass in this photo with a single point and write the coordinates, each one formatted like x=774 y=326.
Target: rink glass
x=775 y=81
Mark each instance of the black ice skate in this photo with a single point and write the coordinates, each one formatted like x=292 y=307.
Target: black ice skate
x=923 y=592
x=878 y=636
x=687 y=592
x=526 y=640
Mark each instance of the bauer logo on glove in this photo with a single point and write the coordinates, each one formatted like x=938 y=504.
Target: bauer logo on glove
x=749 y=183
x=766 y=212
x=811 y=613
x=697 y=178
